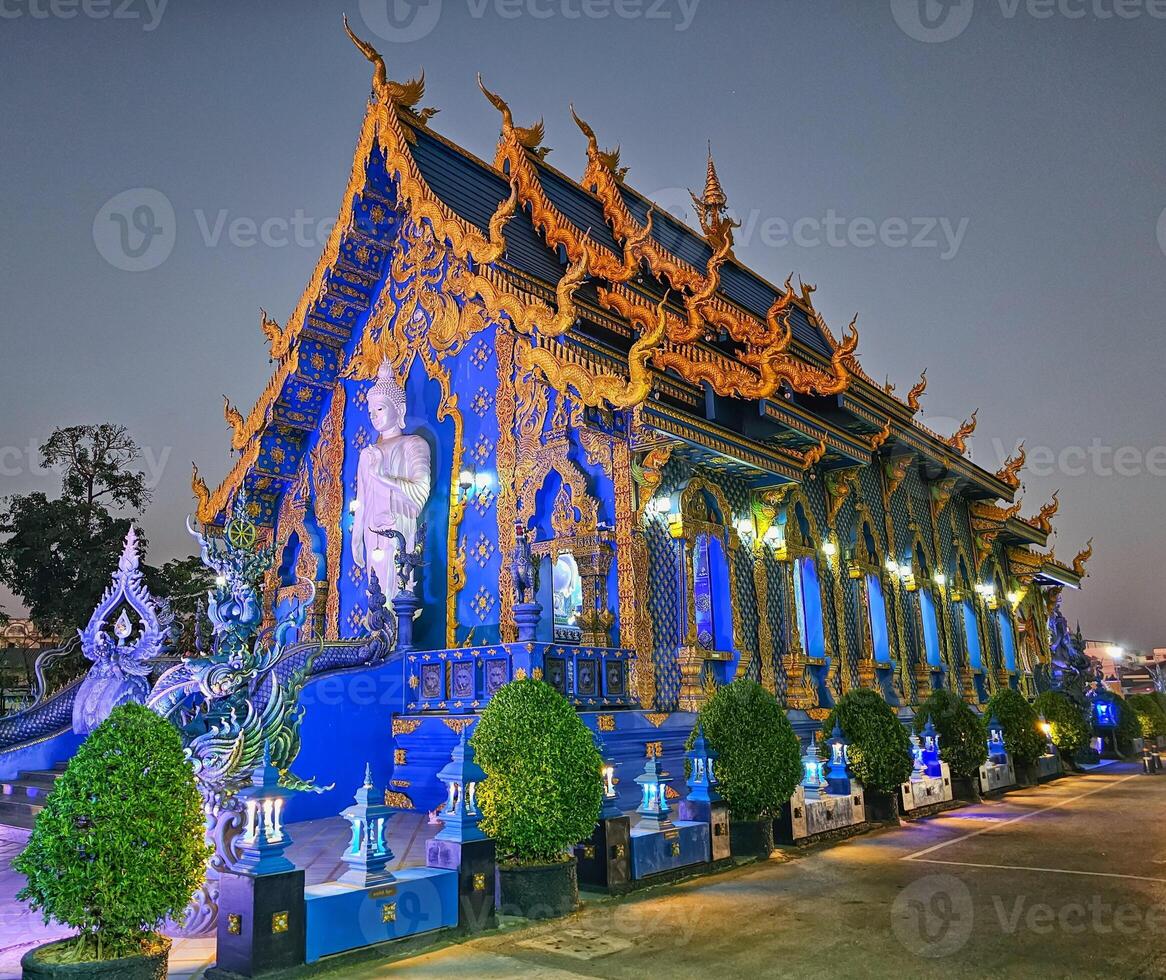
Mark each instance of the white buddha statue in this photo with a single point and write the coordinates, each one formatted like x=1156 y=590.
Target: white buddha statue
x=392 y=483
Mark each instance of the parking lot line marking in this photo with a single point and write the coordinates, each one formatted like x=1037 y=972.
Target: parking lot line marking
x=1023 y=867
x=1024 y=816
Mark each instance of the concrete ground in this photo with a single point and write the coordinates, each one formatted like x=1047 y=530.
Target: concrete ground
x=1065 y=881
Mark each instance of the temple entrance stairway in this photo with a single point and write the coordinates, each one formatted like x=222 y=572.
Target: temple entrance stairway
x=22 y=798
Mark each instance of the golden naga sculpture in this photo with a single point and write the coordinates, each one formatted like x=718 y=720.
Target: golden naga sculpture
x=608 y=158
x=916 y=391
x=879 y=438
x=594 y=389
x=813 y=456
x=403 y=95
x=1044 y=519
x=239 y=429
x=959 y=441
x=1009 y=473
x=1082 y=557
x=200 y=490
x=279 y=340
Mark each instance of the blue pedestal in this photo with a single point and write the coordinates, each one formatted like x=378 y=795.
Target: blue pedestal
x=658 y=851
x=342 y=917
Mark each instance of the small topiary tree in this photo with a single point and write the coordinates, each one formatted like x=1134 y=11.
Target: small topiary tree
x=1069 y=730
x=1151 y=717
x=963 y=738
x=880 y=749
x=1022 y=737
x=759 y=762
x=119 y=846
x=1129 y=724
x=544 y=784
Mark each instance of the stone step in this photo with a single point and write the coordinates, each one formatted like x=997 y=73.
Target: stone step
x=18 y=814
x=19 y=791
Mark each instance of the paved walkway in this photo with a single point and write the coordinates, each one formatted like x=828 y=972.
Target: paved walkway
x=1068 y=880
x=316 y=847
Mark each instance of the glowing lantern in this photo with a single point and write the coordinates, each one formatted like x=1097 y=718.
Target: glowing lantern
x=838 y=772
x=653 y=809
x=264 y=838
x=460 y=813
x=368 y=852
x=702 y=781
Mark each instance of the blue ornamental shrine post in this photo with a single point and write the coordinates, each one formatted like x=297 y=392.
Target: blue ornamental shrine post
x=461 y=845
x=704 y=804
x=604 y=859
x=261 y=924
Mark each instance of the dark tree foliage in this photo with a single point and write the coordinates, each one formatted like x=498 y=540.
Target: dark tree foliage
x=1070 y=732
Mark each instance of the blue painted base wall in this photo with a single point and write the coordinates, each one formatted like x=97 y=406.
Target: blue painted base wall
x=342 y=917
x=40 y=755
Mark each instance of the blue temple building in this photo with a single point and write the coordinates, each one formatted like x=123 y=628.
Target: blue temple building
x=566 y=407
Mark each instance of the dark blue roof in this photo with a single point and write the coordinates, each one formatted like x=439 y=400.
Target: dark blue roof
x=474 y=191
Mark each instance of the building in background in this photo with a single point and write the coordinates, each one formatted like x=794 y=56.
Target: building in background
x=1127 y=672
x=20 y=644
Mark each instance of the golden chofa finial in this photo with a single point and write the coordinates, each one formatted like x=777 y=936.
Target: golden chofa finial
x=711 y=207
x=608 y=158
x=959 y=441
x=1082 y=557
x=529 y=137
x=1009 y=473
x=914 y=394
x=404 y=95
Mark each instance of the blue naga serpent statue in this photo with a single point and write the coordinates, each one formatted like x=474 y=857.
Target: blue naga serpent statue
x=230 y=701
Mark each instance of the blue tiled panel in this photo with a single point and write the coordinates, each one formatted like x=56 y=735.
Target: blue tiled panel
x=342 y=917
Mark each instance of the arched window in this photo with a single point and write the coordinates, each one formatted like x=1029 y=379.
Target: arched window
x=930 y=623
x=710 y=583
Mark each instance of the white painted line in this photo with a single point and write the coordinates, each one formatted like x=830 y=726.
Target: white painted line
x=1021 y=867
x=1023 y=816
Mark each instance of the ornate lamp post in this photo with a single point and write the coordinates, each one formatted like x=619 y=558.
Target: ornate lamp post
x=931 y=749
x=702 y=781
x=368 y=853
x=812 y=781
x=653 y=809
x=461 y=776
x=264 y=838
x=996 y=749
x=838 y=771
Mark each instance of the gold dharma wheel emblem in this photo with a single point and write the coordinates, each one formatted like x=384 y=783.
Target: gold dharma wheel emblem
x=241 y=533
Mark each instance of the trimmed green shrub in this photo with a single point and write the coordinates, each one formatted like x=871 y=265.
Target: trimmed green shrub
x=544 y=787
x=1022 y=737
x=119 y=846
x=1151 y=716
x=963 y=737
x=760 y=756
x=1129 y=725
x=880 y=748
x=1070 y=731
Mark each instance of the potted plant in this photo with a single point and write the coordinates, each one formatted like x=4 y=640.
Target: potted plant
x=880 y=749
x=117 y=850
x=541 y=796
x=1067 y=725
x=963 y=739
x=1022 y=736
x=758 y=764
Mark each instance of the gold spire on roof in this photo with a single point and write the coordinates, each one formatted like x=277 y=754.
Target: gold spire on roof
x=711 y=208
